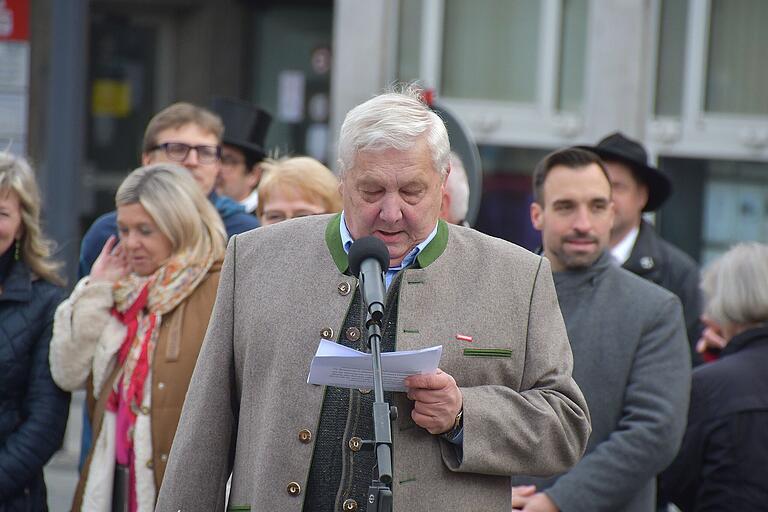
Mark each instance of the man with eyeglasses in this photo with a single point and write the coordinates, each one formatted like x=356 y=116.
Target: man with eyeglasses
x=188 y=135
x=242 y=150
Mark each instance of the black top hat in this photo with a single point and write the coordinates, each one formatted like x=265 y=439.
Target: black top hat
x=245 y=125
x=617 y=147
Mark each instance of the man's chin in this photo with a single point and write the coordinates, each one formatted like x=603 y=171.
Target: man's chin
x=580 y=261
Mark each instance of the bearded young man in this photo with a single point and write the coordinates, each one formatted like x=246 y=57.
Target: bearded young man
x=629 y=348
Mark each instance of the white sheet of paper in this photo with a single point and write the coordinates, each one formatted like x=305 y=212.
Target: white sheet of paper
x=344 y=367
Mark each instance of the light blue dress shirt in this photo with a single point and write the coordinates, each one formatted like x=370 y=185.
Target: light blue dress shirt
x=346 y=240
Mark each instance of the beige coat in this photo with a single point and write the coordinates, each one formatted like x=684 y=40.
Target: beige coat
x=84 y=350
x=283 y=285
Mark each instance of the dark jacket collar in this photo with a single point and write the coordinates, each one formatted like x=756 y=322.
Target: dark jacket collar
x=18 y=285
x=749 y=337
x=646 y=257
x=226 y=206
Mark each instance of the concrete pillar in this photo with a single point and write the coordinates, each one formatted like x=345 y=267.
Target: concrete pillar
x=616 y=92
x=362 y=31
x=64 y=133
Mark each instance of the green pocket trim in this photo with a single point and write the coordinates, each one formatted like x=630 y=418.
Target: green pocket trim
x=239 y=508
x=487 y=352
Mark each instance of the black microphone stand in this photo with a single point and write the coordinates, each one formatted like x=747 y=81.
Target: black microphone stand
x=380 y=492
x=367 y=257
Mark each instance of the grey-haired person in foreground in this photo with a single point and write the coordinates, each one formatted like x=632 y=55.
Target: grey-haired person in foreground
x=501 y=404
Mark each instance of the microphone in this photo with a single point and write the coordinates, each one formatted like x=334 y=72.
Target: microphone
x=367 y=257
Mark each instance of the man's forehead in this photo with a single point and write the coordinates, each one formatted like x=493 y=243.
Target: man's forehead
x=392 y=163
x=188 y=132
x=621 y=171
x=583 y=183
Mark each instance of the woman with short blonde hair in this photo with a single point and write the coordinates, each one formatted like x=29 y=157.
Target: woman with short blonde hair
x=296 y=187
x=131 y=331
x=156 y=188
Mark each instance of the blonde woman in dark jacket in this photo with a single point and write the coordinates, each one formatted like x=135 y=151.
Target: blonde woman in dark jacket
x=33 y=410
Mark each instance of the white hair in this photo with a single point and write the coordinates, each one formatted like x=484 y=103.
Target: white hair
x=458 y=189
x=393 y=120
x=735 y=288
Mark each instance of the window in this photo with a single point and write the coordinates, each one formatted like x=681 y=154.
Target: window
x=490 y=49
x=736 y=78
x=573 y=44
x=513 y=70
x=409 y=47
x=710 y=87
x=716 y=204
x=671 y=58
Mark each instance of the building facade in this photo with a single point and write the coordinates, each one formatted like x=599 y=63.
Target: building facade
x=525 y=76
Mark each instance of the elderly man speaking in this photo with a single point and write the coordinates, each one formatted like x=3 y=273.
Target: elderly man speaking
x=502 y=403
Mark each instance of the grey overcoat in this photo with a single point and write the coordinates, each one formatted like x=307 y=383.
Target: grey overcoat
x=282 y=286
x=631 y=361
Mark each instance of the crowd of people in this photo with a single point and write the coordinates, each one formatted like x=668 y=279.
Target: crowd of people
x=600 y=374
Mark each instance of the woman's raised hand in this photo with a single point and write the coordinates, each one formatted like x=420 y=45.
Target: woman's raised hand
x=111 y=264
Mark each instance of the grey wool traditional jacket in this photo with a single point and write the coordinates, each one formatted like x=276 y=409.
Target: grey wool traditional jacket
x=250 y=411
x=631 y=360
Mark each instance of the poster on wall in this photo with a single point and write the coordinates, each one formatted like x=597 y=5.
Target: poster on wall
x=14 y=75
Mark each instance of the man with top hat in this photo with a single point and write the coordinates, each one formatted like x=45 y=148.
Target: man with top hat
x=638 y=187
x=242 y=149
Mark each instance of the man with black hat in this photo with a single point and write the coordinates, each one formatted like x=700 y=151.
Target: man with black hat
x=638 y=187
x=245 y=127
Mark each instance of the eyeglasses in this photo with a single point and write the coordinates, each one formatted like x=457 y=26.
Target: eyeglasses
x=231 y=161
x=178 y=151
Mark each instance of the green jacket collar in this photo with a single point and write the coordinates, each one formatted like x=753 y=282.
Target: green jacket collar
x=430 y=253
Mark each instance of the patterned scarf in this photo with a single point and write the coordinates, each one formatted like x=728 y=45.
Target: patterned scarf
x=140 y=303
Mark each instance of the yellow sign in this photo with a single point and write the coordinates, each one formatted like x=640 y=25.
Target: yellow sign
x=111 y=98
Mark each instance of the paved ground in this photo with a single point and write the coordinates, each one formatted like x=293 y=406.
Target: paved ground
x=61 y=472
x=61 y=479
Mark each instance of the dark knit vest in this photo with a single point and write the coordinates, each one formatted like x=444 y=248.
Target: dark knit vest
x=338 y=472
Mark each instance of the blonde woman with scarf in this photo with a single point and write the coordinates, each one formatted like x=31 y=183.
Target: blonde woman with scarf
x=131 y=331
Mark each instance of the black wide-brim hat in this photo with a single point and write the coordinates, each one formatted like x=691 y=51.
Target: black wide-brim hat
x=245 y=124
x=617 y=147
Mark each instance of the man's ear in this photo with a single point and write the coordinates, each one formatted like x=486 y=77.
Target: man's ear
x=537 y=216
x=445 y=207
x=642 y=189
x=254 y=177
x=612 y=212
x=146 y=158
